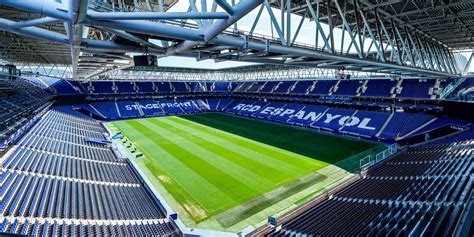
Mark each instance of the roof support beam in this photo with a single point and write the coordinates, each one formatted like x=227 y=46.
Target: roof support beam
x=151 y=28
x=75 y=29
x=47 y=8
x=344 y=21
x=275 y=22
x=35 y=22
x=301 y=52
x=331 y=26
x=134 y=38
x=34 y=32
x=228 y=8
x=468 y=64
x=156 y=15
x=44 y=34
x=378 y=44
x=240 y=10
x=319 y=30
x=257 y=18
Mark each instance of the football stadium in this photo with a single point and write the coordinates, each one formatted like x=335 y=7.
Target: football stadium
x=236 y=118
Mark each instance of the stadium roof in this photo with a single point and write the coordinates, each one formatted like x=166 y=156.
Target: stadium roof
x=450 y=22
x=401 y=37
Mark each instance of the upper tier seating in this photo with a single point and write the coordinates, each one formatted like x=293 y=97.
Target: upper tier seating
x=125 y=87
x=78 y=187
x=283 y=87
x=163 y=87
x=255 y=87
x=221 y=86
x=145 y=87
x=102 y=87
x=268 y=87
x=19 y=103
x=243 y=86
x=302 y=87
x=408 y=88
x=347 y=87
x=413 y=88
x=379 y=88
x=197 y=86
x=323 y=87
x=180 y=87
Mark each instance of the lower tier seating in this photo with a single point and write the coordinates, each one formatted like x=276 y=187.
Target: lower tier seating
x=156 y=227
x=376 y=125
x=55 y=182
x=423 y=191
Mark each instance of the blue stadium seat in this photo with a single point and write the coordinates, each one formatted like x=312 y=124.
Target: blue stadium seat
x=399 y=197
x=379 y=88
x=323 y=86
x=75 y=180
x=414 y=88
x=302 y=87
x=145 y=87
x=369 y=123
x=307 y=115
x=125 y=87
x=102 y=87
x=283 y=87
x=268 y=87
x=347 y=87
x=333 y=119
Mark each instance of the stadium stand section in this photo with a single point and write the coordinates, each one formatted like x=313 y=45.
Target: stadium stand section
x=363 y=87
x=422 y=191
x=389 y=125
x=464 y=91
x=376 y=125
x=20 y=100
x=54 y=182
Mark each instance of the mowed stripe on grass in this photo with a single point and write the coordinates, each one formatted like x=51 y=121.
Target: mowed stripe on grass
x=230 y=168
x=324 y=147
x=179 y=179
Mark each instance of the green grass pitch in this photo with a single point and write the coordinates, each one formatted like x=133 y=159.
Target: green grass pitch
x=212 y=162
